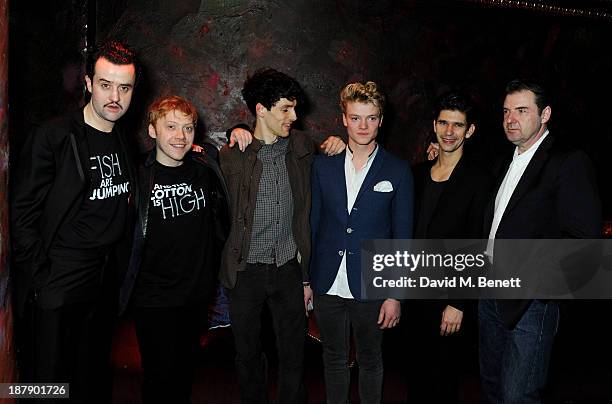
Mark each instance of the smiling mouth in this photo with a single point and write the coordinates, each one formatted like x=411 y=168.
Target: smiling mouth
x=179 y=145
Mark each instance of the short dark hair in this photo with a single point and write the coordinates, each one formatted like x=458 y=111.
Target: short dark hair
x=455 y=101
x=541 y=97
x=115 y=52
x=267 y=86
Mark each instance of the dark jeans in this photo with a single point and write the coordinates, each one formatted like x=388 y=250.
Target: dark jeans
x=70 y=344
x=281 y=289
x=514 y=362
x=168 y=340
x=335 y=317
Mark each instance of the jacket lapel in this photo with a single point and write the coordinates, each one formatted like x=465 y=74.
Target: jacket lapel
x=532 y=172
x=368 y=182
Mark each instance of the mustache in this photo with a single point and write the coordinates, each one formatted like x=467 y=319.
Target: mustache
x=113 y=104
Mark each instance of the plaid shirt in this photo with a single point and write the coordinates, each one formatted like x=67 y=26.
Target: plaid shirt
x=272 y=238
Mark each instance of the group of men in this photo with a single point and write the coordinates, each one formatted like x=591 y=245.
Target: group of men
x=289 y=225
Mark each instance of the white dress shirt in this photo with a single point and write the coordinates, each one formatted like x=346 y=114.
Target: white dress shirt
x=354 y=181
x=511 y=180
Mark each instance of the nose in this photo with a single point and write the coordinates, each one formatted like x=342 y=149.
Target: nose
x=293 y=116
x=363 y=124
x=450 y=128
x=509 y=117
x=182 y=134
x=114 y=95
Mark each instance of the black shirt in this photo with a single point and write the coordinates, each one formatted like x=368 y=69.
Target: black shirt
x=176 y=267
x=100 y=219
x=431 y=195
x=79 y=268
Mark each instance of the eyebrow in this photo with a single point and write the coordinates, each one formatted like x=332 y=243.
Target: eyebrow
x=108 y=81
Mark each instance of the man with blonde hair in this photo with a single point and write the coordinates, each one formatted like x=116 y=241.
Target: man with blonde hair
x=375 y=203
x=176 y=251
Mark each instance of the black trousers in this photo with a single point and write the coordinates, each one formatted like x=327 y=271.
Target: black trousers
x=70 y=344
x=168 y=340
x=436 y=366
x=336 y=317
x=280 y=288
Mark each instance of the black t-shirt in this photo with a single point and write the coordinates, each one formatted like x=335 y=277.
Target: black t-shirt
x=431 y=194
x=100 y=219
x=176 y=267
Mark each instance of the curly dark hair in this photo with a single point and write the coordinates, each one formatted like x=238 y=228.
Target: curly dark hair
x=115 y=52
x=267 y=86
x=455 y=101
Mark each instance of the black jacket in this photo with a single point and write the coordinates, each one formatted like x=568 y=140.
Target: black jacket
x=556 y=197
x=459 y=212
x=52 y=177
x=147 y=180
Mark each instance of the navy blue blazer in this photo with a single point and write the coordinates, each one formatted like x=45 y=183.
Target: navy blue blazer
x=375 y=215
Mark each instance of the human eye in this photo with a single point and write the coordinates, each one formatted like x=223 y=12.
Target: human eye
x=171 y=127
x=373 y=118
x=124 y=89
x=442 y=123
x=105 y=86
x=189 y=129
x=460 y=125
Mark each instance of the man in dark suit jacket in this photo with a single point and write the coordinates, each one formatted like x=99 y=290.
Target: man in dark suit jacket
x=450 y=195
x=364 y=193
x=545 y=191
x=68 y=213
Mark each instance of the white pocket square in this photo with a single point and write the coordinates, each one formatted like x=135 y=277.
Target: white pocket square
x=383 y=186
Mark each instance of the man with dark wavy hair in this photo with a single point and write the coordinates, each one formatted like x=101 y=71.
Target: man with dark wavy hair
x=544 y=190
x=69 y=209
x=265 y=259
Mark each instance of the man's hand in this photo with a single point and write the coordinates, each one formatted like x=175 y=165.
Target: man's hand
x=451 y=321
x=390 y=312
x=333 y=145
x=432 y=151
x=307 y=298
x=241 y=136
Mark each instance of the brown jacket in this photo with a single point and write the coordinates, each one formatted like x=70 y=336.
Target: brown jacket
x=242 y=172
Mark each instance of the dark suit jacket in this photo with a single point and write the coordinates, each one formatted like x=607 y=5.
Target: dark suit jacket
x=51 y=177
x=556 y=197
x=459 y=212
x=375 y=215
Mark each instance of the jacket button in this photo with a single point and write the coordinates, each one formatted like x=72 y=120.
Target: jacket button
x=349 y=230
x=341 y=253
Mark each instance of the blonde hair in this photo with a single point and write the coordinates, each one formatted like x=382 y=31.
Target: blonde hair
x=364 y=93
x=164 y=105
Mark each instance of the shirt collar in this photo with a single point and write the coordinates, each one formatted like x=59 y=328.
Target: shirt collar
x=527 y=154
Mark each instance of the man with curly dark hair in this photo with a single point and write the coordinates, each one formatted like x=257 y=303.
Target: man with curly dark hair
x=265 y=259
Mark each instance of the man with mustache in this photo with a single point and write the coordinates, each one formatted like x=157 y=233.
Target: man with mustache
x=544 y=190
x=70 y=203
